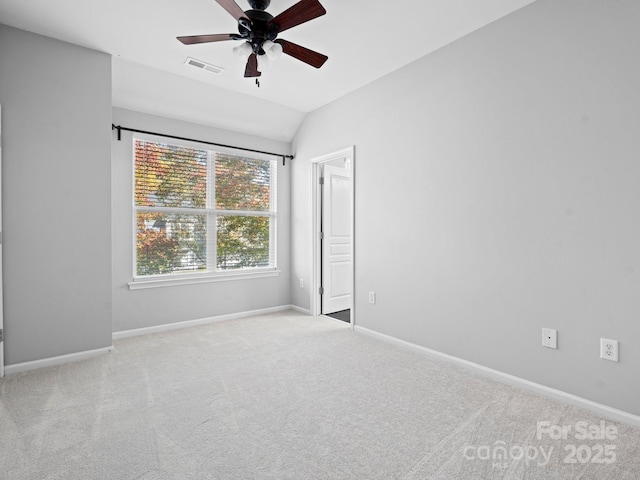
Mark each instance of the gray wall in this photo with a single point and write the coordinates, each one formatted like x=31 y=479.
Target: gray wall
x=56 y=114
x=144 y=308
x=497 y=192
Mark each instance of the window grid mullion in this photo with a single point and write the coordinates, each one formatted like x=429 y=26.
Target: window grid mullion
x=211 y=215
x=273 y=194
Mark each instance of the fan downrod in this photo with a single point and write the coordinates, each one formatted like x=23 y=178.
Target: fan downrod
x=259 y=4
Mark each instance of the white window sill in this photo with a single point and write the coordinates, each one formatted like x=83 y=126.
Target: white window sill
x=144 y=283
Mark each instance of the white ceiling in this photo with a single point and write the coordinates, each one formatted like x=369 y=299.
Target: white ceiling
x=364 y=40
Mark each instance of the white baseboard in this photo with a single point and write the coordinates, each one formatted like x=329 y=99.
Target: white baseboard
x=304 y=311
x=197 y=322
x=59 y=360
x=598 y=408
x=75 y=357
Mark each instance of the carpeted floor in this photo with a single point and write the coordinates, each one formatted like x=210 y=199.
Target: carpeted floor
x=286 y=396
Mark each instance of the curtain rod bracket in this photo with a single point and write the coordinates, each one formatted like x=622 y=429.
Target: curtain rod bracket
x=118 y=129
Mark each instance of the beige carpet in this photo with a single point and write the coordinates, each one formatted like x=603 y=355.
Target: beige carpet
x=287 y=396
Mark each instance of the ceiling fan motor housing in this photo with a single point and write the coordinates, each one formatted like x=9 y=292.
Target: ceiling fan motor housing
x=259 y=30
x=259 y=4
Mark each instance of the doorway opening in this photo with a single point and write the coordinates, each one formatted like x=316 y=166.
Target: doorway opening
x=342 y=315
x=1 y=301
x=333 y=234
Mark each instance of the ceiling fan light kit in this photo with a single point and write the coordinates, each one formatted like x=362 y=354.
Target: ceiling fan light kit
x=272 y=49
x=259 y=32
x=243 y=50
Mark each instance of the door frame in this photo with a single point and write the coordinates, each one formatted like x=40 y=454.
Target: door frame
x=316 y=215
x=1 y=267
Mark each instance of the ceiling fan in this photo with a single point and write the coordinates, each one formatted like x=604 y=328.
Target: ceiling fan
x=259 y=30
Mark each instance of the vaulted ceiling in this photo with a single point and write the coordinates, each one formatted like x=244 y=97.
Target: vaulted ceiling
x=364 y=40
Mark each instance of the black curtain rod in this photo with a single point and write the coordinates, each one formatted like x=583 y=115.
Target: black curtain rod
x=119 y=129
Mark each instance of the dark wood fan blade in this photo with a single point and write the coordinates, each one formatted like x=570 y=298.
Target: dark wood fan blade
x=220 y=37
x=303 y=54
x=252 y=66
x=233 y=8
x=301 y=12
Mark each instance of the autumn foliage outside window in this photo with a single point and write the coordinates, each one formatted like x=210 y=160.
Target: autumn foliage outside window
x=200 y=210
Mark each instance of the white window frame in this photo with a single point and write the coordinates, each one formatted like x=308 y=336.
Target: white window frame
x=211 y=274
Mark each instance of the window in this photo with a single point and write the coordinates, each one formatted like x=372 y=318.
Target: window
x=199 y=211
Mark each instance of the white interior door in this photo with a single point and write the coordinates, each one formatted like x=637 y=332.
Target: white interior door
x=1 y=301
x=336 y=239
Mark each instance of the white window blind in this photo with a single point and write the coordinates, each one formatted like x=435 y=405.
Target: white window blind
x=202 y=211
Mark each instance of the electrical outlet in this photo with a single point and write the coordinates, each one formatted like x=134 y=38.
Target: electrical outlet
x=372 y=297
x=301 y=283
x=609 y=349
x=549 y=338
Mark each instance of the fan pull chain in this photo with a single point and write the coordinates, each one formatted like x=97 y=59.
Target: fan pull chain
x=258 y=83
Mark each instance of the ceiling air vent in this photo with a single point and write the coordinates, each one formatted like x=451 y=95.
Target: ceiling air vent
x=204 y=65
